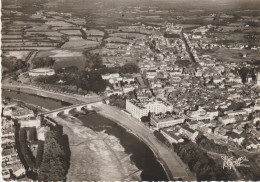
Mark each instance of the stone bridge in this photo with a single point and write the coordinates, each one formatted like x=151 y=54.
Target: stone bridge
x=66 y=110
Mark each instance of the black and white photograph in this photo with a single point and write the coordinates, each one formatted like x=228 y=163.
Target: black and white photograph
x=130 y=90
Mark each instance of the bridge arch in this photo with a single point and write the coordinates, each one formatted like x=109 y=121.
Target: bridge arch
x=66 y=110
x=79 y=108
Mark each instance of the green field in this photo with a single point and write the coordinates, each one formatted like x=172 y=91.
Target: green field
x=230 y=55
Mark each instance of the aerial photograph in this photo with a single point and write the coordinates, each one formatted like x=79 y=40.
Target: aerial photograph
x=130 y=90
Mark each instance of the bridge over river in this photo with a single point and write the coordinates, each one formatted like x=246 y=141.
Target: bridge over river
x=66 y=110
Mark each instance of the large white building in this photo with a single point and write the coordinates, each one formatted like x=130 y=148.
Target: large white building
x=139 y=109
x=188 y=132
x=165 y=122
x=171 y=137
x=30 y=122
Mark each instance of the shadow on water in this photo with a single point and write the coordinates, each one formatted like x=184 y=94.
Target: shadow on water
x=142 y=155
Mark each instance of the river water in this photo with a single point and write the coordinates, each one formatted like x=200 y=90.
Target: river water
x=34 y=99
x=141 y=154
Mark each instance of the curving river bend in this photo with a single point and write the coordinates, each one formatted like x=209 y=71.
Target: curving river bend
x=141 y=155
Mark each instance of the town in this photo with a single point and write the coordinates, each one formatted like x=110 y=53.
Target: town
x=194 y=85
x=25 y=136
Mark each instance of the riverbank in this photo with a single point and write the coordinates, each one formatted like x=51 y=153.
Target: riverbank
x=69 y=98
x=44 y=102
x=173 y=165
x=171 y=162
x=96 y=155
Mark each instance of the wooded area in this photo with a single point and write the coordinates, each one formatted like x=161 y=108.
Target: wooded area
x=200 y=163
x=55 y=162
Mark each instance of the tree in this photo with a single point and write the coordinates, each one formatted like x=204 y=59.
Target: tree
x=74 y=88
x=93 y=61
x=243 y=72
x=80 y=91
x=145 y=119
x=12 y=64
x=200 y=163
x=71 y=69
x=117 y=100
x=53 y=167
x=129 y=68
x=168 y=113
x=39 y=155
x=43 y=62
x=210 y=145
x=236 y=105
x=26 y=152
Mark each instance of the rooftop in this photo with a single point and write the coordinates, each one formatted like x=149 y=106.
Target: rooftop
x=188 y=129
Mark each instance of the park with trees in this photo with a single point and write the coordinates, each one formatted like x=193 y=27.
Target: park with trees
x=81 y=82
x=199 y=162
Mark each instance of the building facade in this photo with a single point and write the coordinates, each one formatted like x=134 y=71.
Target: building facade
x=139 y=109
x=162 y=123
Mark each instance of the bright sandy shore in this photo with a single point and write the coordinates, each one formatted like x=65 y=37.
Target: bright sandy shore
x=96 y=155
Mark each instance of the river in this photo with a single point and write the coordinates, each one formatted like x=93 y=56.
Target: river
x=44 y=102
x=141 y=154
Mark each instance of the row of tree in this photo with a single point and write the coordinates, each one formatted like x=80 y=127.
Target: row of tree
x=26 y=151
x=41 y=62
x=55 y=162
